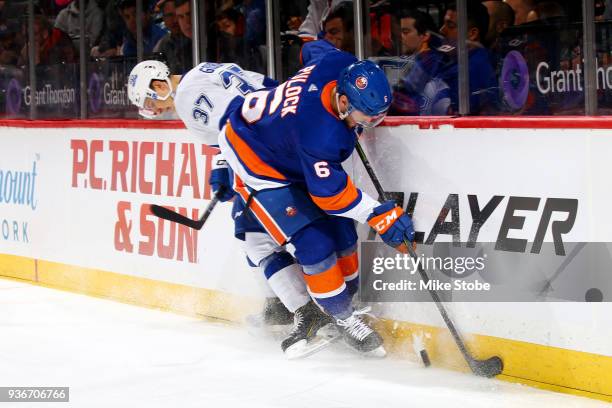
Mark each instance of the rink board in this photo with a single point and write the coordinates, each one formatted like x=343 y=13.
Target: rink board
x=80 y=223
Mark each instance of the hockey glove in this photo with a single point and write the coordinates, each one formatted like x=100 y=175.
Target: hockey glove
x=393 y=225
x=220 y=179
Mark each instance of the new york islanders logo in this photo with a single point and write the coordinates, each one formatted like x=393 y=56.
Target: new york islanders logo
x=361 y=82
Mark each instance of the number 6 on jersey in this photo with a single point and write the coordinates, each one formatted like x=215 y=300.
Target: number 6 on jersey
x=321 y=169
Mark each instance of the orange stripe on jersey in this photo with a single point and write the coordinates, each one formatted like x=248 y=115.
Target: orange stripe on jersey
x=304 y=41
x=349 y=264
x=325 y=282
x=266 y=220
x=260 y=213
x=326 y=95
x=248 y=157
x=339 y=201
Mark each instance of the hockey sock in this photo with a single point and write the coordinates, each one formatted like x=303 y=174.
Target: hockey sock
x=349 y=264
x=328 y=289
x=285 y=278
x=262 y=282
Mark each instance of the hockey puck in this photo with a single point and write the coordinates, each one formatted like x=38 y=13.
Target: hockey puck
x=425 y=358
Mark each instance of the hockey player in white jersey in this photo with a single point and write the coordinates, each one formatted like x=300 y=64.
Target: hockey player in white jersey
x=203 y=99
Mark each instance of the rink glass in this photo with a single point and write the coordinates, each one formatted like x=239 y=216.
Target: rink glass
x=553 y=61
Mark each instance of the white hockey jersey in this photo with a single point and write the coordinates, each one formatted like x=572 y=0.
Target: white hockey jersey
x=205 y=92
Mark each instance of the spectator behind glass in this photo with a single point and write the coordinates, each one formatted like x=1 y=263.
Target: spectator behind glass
x=294 y=21
x=254 y=12
x=255 y=28
x=230 y=25
x=521 y=9
x=338 y=27
x=545 y=11
x=183 y=15
x=420 y=91
x=174 y=45
x=291 y=42
x=501 y=16
x=9 y=46
x=600 y=10
x=52 y=45
x=112 y=33
x=481 y=74
x=415 y=29
x=68 y=22
x=230 y=22
x=151 y=33
x=242 y=29
x=318 y=10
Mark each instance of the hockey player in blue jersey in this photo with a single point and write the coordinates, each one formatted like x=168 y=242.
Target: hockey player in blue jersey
x=202 y=98
x=285 y=146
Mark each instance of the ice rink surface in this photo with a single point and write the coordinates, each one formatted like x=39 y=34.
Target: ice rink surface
x=117 y=355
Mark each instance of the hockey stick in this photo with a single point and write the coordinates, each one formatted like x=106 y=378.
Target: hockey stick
x=484 y=368
x=166 y=214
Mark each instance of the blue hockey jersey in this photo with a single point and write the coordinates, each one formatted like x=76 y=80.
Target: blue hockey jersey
x=291 y=134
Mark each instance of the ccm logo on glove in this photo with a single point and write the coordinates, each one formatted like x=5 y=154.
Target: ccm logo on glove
x=392 y=224
x=382 y=222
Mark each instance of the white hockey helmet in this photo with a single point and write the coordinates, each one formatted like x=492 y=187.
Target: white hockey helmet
x=139 y=85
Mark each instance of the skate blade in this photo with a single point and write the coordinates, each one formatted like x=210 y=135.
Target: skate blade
x=305 y=348
x=378 y=352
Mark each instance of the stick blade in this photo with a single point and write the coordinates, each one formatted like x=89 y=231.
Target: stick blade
x=488 y=368
x=166 y=214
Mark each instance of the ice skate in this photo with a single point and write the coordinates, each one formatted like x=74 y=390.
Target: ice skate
x=303 y=339
x=360 y=336
x=274 y=320
x=275 y=313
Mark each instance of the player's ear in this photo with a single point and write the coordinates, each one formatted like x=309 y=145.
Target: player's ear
x=343 y=103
